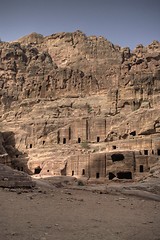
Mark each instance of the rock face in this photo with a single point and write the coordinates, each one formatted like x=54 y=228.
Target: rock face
x=68 y=102
x=10 y=178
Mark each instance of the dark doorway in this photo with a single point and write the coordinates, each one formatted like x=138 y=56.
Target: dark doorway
x=30 y=145
x=117 y=157
x=79 y=140
x=114 y=147
x=97 y=175
x=141 y=168
x=37 y=170
x=83 y=172
x=69 y=133
x=145 y=152
x=111 y=176
x=43 y=142
x=158 y=152
x=64 y=140
x=124 y=175
x=98 y=139
x=72 y=173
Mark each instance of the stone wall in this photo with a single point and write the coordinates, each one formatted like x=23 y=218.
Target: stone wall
x=107 y=165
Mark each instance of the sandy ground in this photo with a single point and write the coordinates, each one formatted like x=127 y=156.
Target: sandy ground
x=72 y=214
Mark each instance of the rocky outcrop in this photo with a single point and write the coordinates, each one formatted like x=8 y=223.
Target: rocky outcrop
x=10 y=178
x=66 y=89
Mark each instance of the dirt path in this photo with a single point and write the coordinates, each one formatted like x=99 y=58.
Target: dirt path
x=76 y=215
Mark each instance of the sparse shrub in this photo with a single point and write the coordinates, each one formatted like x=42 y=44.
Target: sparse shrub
x=80 y=183
x=89 y=108
x=85 y=145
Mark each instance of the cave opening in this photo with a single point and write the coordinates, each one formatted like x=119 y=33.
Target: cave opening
x=124 y=175
x=111 y=175
x=133 y=133
x=117 y=157
x=158 y=152
x=37 y=170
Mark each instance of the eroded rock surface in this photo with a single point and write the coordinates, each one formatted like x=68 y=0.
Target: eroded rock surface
x=10 y=178
x=68 y=99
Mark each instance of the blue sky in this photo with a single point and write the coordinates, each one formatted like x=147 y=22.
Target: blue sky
x=126 y=23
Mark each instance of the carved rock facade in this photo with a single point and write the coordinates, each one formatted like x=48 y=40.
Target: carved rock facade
x=70 y=103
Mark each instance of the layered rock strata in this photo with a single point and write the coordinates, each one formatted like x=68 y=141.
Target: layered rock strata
x=66 y=96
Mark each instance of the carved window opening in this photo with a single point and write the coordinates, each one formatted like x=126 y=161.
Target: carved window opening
x=141 y=169
x=37 y=170
x=98 y=139
x=114 y=147
x=111 y=175
x=124 y=175
x=30 y=145
x=69 y=133
x=72 y=173
x=145 y=152
x=97 y=175
x=83 y=172
x=158 y=152
x=133 y=133
x=79 y=140
x=64 y=140
x=117 y=157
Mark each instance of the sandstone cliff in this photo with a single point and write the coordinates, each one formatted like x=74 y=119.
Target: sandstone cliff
x=66 y=89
